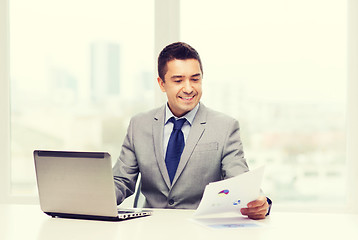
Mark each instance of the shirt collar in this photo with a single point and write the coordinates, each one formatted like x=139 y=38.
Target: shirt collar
x=189 y=116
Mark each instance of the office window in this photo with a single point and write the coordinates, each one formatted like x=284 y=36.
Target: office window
x=279 y=67
x=79 y=70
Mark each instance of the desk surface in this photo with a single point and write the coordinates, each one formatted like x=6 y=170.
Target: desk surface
x=28 y=222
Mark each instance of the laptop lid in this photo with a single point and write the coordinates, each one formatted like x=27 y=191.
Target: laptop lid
x=77 y=185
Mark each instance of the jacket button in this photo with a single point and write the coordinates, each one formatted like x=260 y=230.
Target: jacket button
x=171 y=202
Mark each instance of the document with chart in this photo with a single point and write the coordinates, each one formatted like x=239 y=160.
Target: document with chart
x=230 y=195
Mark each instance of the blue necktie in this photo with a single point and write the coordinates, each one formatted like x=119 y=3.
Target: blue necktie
x=175 y=147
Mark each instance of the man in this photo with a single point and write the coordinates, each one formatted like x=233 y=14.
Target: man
x=178 y=158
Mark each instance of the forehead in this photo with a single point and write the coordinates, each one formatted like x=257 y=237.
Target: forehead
x=183 y=67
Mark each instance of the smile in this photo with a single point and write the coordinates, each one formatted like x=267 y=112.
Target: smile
x=187 y=98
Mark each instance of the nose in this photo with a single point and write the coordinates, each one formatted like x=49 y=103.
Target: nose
x=187 y=88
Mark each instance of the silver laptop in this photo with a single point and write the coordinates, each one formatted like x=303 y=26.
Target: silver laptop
x=79 y=185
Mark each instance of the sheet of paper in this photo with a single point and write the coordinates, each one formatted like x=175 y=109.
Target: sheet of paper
x=230 y=195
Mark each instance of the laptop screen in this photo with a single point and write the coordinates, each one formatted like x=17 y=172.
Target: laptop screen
x=75 y=182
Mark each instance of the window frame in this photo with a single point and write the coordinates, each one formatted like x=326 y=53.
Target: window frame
x=167 y=30
x=4 y=103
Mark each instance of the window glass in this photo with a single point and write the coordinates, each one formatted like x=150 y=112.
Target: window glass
x=79 y=70
x=279 y=67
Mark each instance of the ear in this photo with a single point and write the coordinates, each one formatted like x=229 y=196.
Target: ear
x=161 y=84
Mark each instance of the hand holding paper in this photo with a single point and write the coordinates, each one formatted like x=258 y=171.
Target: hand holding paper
x=230 y=195
x=256 y=209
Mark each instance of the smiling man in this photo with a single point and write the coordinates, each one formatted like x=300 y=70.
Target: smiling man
x=182 y=146
x=182 y=84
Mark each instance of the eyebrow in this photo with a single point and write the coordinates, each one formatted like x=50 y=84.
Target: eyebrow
x=196 y=75
x=181 y=76
x=176 y=76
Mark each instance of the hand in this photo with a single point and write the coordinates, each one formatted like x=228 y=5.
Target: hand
x=256 y=209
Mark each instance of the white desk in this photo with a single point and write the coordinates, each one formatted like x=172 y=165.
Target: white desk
x=28 y=222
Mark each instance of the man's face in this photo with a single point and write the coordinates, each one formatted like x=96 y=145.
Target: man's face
x=182 y=84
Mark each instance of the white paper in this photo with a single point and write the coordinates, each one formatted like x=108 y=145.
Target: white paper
x=230 y=195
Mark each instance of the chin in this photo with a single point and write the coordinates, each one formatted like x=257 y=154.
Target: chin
x=187 y=108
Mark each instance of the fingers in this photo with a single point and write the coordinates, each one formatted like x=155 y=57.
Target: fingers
x=256 y=209
x=258 y=202
x=256 y=213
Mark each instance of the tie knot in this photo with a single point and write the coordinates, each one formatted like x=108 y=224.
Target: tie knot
x=177 y=123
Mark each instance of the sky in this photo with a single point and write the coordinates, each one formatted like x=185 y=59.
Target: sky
x=278 y=50
x=282 y=50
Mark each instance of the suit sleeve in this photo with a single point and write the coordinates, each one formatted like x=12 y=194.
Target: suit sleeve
x=125 y=171
x=233 y=160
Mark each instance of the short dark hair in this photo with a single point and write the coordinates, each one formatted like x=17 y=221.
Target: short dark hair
x=177 y=50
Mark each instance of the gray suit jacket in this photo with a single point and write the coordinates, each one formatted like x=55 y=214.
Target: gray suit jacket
x=213 y=151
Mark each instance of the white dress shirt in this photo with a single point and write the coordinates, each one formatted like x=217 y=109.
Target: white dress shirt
x=168 y=126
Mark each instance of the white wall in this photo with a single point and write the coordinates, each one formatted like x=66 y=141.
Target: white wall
x=4 y=102
x=352 y=106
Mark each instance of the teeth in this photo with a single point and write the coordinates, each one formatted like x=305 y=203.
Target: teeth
x=187 y=98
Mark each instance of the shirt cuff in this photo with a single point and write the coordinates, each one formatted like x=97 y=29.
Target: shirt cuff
x=269 y=208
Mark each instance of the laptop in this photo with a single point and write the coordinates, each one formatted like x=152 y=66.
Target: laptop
x=79 y=185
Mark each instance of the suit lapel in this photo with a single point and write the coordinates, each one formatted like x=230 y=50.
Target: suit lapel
x=158 y=128
x=196 y=131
